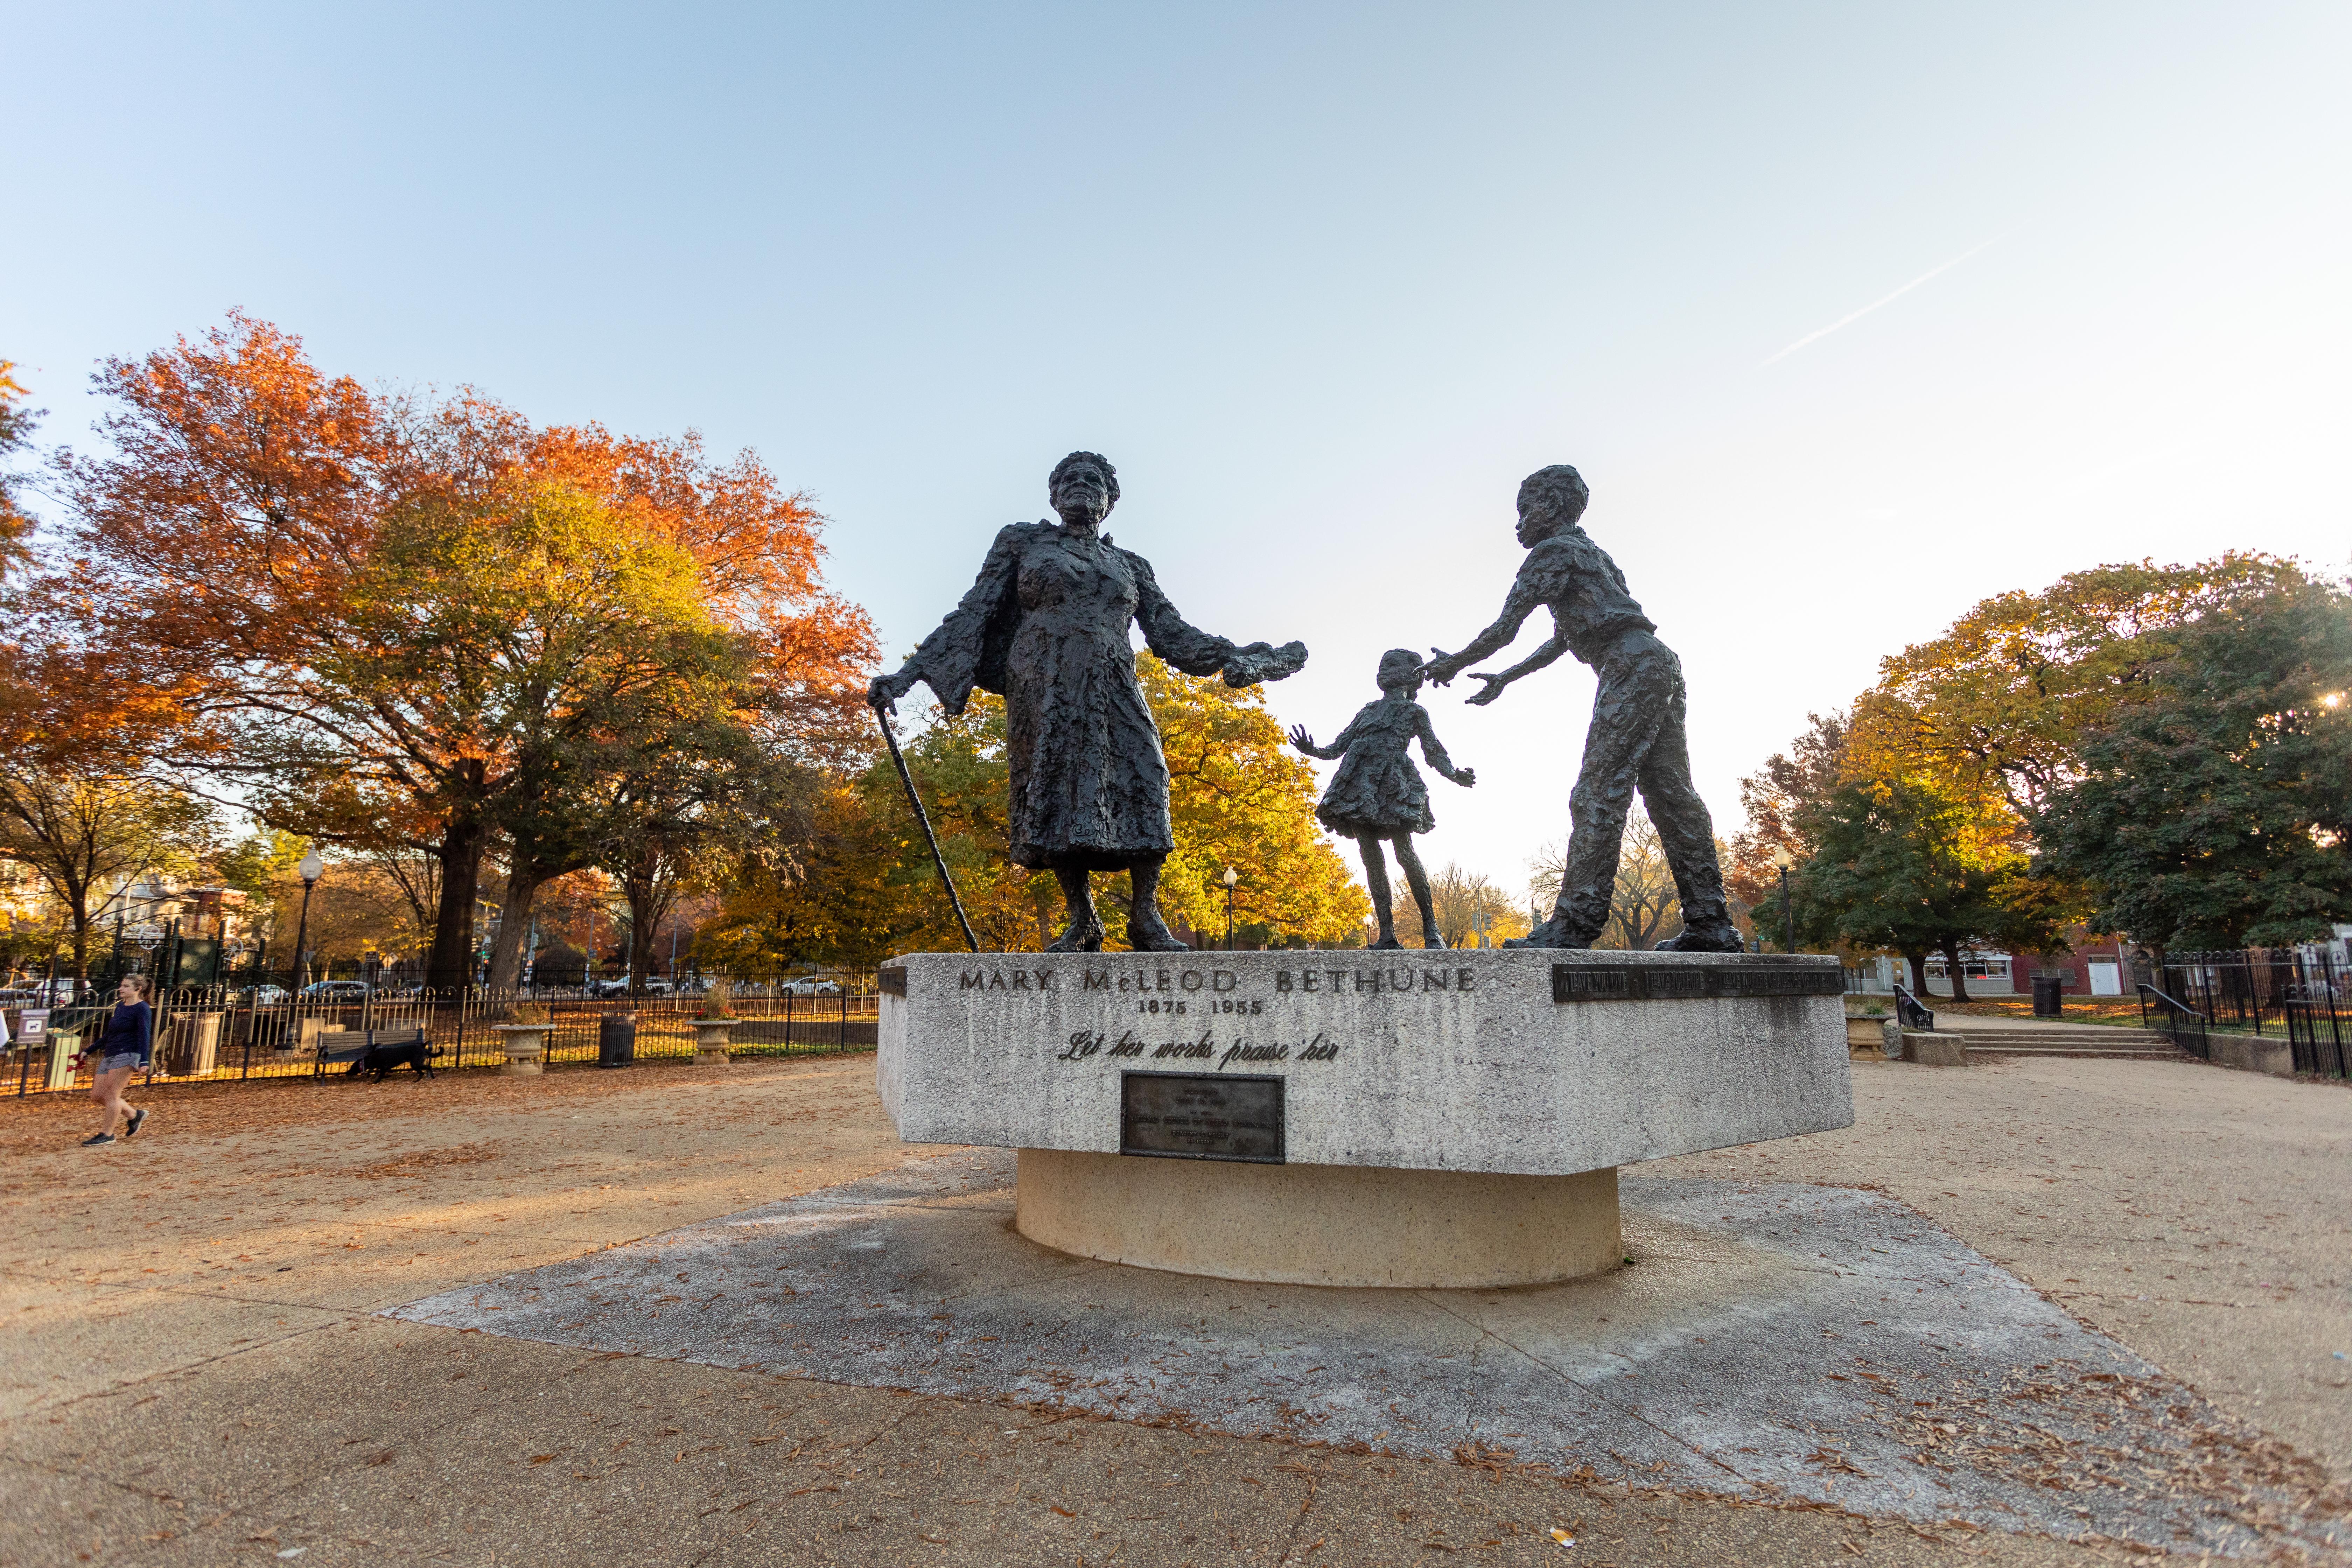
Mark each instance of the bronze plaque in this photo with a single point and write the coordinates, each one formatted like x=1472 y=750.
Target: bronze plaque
x=1201 y=1116
x=1663 y=982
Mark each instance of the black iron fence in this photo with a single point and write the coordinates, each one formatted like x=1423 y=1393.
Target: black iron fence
x=208 y=1033
x=2168 y=1014
x=2306 y=997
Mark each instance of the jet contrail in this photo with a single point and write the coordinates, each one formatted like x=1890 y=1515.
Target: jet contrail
x=1874 y=304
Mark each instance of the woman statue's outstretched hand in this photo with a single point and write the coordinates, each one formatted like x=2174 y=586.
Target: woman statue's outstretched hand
x=1465 y=777
x=1302 y=740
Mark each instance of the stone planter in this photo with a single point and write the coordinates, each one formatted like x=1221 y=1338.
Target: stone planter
x=1865 y=1036
x=710 y=1041
x=525 y=1045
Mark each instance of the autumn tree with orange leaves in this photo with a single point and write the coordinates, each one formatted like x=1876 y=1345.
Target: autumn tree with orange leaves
x=390 y=619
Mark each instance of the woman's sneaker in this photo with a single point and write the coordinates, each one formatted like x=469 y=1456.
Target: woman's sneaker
x=138 y=1120
x=97 y=1140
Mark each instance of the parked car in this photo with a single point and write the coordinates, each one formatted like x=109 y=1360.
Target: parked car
x=39 y=994
x=653 y=987
x=337 y=991
x=264 y=995
x=811 y=986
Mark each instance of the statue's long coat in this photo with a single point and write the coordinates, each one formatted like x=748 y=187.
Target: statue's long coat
x=1045 y=627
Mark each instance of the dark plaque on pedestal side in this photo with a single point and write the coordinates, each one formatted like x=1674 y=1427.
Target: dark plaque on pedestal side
x=1201 y=1116
x=1658 y=982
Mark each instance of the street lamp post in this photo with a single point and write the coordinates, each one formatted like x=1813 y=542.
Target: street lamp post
x=311 y=868
x=1232 y=877
x=1787 y=914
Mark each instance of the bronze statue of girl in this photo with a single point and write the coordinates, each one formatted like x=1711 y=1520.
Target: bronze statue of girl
x=1378 y=794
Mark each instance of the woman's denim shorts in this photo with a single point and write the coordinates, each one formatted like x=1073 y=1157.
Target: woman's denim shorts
x=119 y=1060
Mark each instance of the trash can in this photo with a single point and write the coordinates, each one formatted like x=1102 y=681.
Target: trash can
x=2047 y=991
x=616 y=1040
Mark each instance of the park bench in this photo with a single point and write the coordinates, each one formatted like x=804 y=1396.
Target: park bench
x=352 y=1046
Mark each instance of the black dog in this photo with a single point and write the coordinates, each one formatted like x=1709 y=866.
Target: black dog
x=382 y=1061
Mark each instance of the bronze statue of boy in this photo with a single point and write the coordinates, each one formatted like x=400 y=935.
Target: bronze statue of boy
x=1636 y=740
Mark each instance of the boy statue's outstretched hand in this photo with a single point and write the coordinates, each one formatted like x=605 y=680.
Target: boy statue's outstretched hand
x=1302 y=740
x=1494 y=688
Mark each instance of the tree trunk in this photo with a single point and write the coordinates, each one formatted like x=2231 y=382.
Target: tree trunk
x=523 y=883
x=1952 y=967
x=1918 y=963
x=451 y=966
x=81 y=947
x=641 y=921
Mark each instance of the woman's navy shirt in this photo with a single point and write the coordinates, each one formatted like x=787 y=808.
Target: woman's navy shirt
x=129 y=1027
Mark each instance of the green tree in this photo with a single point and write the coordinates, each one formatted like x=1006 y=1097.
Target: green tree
x=1903 y=865
x=2211 y=811
x=2001 y=702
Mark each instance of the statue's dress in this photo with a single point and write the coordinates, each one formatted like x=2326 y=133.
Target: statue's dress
x=1045 y=627
x=1377 y=789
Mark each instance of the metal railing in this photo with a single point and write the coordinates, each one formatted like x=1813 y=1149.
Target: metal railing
x=2184 y=1024
x=1910 y=1012
x=2266 y=992
x=208 y=1034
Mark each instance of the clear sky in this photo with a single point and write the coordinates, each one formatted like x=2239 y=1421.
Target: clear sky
x=1850 y=315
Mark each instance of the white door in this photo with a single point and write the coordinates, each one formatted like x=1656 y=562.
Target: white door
x=2106 y=979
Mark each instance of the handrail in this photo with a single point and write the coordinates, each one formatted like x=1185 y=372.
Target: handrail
x=2177 y=1013
x=1910 y=1014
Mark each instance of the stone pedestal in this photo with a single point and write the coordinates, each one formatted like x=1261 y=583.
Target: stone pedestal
x=1401 y=1118
x=710 y=1041
x=525 y=1044
x=1322 y=1224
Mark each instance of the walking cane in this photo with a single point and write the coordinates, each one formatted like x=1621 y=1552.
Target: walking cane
x=924 y=817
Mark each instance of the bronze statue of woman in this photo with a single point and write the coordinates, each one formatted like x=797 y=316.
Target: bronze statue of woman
x=1045 y=627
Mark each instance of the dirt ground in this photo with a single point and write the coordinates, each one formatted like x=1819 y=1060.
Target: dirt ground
x=195 y=1375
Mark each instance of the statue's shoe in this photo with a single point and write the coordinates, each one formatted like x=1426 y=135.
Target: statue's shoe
x=1153 y=936
x=1553 y=934
x=1079 y=936
x=1387 y=944
x=1431 y=938
x=1723 y=938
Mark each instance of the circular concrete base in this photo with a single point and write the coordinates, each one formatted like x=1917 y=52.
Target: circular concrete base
x=1321 y=1225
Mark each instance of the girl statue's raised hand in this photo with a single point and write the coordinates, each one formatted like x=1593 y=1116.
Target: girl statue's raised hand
x=1378 y=794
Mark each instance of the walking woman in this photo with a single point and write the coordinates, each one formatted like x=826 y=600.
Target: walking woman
x=126 y=1043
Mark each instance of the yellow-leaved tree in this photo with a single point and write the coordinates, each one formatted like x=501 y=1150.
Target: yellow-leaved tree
x=1240 y=796
x=866 y=886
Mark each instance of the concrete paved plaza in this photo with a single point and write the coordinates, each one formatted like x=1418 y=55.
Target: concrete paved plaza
x=199 y=1368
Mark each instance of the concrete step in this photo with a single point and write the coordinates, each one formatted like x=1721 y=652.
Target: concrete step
x=2162 y=1051
x=2052 y=1035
